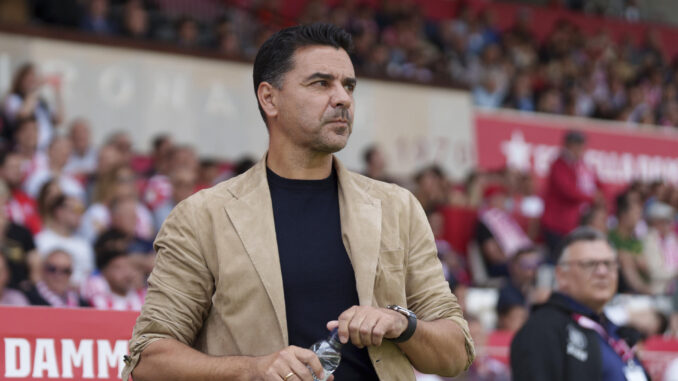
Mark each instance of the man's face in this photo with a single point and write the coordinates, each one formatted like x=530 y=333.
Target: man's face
x=59 y=152
x=588 y=273
x=119 y=274
x=524 y=268
x=314 y=106
x=69 y=214
x=124 y=217
x=80 y=136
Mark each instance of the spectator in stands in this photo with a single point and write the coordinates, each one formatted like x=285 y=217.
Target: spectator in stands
x=634 y=268
x=660 y=247
x=135 y=22
x=9 y=296
x=83 y=159
x=121 y=141
x=226 y=38
x=488 y=93
x=48 y=193
x=25 y=101
x=188 y=32
x=108 y=158
x=54 y=289
x=569 y=337
x=117 y=182
x=112 y=287
x=21 y=208
x=375 y=164
x=96 y=18
x=522 y=288
x=431 y=191
x=124 y=218
x=184 y=182
x=159 y=187
x=570 y=187
x=17 y=245
x=522 y=96
x=161 y=154
x=209 y=173
x=498 y=234
x=26 y=146
x=595 y=217
x=58 y=154
x=59 y=233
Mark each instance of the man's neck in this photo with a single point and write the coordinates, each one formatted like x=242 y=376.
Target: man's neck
x=299 y=164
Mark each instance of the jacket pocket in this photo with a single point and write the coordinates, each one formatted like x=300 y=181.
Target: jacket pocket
x=389 y=287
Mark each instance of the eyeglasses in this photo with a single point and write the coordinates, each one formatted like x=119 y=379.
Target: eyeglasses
x=591 y=266
x=51 y=269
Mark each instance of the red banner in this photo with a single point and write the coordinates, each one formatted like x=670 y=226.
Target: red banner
x=43 y=342
x=617 y=153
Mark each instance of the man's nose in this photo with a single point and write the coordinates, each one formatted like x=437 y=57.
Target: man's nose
x=341 y=97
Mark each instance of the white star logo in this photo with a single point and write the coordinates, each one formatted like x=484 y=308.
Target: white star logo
x=517 y=151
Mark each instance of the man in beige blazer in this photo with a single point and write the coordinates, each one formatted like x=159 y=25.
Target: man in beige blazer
x=217 y=297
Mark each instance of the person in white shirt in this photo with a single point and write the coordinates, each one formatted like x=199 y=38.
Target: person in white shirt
x=25 y=101
x=58 y=153
x=83 y=159
x=59 y=233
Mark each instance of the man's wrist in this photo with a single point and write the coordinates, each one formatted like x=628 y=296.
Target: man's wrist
x=410 y=327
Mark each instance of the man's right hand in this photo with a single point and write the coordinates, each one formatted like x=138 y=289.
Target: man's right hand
x=292 y=362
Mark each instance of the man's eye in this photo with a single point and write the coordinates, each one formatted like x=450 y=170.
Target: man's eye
x=350 y=87
x=321 y=83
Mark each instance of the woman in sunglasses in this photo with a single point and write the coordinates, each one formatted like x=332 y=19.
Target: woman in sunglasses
x=54 y=288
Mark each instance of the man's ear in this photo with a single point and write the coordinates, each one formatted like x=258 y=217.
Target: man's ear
x=267 y=95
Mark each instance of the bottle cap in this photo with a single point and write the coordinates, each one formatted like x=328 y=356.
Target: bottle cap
x=334 y=335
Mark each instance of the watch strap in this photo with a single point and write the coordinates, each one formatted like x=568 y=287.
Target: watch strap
x=411 y=324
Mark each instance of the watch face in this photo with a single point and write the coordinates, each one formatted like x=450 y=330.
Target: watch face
x=402 y=310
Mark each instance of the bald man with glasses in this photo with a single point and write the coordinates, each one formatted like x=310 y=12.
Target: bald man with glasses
x=569 y=337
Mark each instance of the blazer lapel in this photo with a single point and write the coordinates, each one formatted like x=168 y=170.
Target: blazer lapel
x=251 y=214
x=361 y=231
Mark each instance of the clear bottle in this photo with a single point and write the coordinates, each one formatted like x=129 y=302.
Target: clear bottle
x=329 y=354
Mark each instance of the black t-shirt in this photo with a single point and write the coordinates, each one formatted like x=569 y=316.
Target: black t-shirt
x=318 y=279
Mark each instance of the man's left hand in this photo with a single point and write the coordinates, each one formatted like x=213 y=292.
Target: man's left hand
x=368 y=326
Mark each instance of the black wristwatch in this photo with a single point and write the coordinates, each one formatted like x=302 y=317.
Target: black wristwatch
x=411 y=323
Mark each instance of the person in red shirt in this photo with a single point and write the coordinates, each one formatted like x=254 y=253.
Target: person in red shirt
x=21 y=208
x=571 y=188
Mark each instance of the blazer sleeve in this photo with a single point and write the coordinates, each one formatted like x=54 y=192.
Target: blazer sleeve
x=180 y=286
x=428 y=293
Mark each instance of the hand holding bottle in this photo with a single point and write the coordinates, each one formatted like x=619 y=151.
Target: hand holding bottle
x=289 y=364
x=368 y=326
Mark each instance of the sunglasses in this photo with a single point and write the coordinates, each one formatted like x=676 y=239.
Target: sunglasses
x=51 y=269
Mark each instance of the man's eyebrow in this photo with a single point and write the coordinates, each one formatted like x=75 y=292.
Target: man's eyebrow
x=329 y=77
x=318 y=75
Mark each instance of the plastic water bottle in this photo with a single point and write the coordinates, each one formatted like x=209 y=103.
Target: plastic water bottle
x=329 y=354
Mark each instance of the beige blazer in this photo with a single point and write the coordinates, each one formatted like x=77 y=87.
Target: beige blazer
x=217 y=285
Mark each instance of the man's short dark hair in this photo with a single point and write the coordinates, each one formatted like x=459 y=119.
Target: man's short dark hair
x=274 y=58
x=580 y=234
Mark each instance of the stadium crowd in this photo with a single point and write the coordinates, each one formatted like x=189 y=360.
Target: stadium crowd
x=568 y=73
x=79 y=220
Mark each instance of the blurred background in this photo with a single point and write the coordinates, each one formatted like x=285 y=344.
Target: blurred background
x=113 y=111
